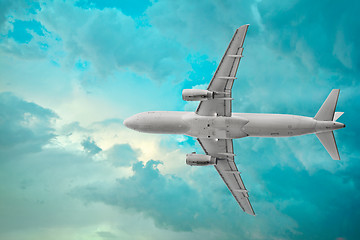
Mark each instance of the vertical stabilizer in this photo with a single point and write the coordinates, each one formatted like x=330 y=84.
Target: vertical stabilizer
x=326 y=112
x=328 y=141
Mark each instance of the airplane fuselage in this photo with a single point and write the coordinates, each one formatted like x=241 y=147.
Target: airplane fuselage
x=239 y=125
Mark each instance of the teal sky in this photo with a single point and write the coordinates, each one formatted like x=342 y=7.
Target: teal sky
x=72 y=71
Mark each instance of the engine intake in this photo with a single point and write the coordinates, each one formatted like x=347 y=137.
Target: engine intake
x=197 y=95
x=194 y=159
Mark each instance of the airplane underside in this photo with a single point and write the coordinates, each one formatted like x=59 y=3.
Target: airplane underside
x=215 y=125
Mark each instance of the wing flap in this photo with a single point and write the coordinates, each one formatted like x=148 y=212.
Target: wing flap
x=231 y=176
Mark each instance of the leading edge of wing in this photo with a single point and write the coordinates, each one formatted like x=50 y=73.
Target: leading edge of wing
x=227 y=170
x=224 y=77
x=234 y=52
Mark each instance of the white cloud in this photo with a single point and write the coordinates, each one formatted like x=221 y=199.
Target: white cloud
x=343 y=50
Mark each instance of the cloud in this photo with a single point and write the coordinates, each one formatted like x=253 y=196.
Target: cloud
x=202 y=27
x=122 y=155
x=90 y=146
x=22 y=28
x=97 y=63
x=128 y=7
x=116 y=47
x=148 y=192
x=107 y=235
x=24 y=127
x=202 y=207
x=20 y=7
x=280 y=180
x=319 y=39
x=204 y=199
x=76 y=34
x=37 y=175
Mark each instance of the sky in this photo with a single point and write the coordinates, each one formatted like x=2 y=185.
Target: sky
x=72 y=71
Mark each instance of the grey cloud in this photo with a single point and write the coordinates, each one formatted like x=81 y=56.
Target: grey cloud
x=35 y=190
x=178 y=206
x=90 y=146
x=326 y=30
x=296 y=177
x=148 y=192
x=24 y=126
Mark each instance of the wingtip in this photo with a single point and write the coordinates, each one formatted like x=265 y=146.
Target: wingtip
x=251 y=213
x=244 y=26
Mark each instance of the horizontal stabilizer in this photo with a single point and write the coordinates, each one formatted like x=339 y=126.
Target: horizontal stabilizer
x=326 y=112
x=337 y=115
x=328 y=141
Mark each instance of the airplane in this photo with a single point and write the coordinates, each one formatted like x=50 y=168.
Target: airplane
x=215 y=125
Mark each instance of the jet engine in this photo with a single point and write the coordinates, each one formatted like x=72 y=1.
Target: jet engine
x=194 y=159
x=197 y=95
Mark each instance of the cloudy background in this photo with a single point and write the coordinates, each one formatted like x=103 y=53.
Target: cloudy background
x=72 y=71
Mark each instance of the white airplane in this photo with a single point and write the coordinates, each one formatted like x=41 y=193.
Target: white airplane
x=215 y=126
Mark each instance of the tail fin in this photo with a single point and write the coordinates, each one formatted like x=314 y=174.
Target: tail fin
x=328 y=141
x=327 y=110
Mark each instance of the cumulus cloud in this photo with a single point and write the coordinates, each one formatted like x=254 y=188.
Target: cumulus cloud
x=149 y=192
x=160 y=197
x=37 y=173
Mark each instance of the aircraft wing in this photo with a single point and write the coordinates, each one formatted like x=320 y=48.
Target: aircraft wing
x=226 y=167
x=224 y=77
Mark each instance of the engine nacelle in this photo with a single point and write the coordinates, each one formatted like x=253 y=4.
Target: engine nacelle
x=194 y=159
x=197 y=95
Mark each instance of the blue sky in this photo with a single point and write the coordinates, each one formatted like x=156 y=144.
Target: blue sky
x=72 y=71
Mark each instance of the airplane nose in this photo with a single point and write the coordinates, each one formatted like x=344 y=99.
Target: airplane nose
x=130 y=123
